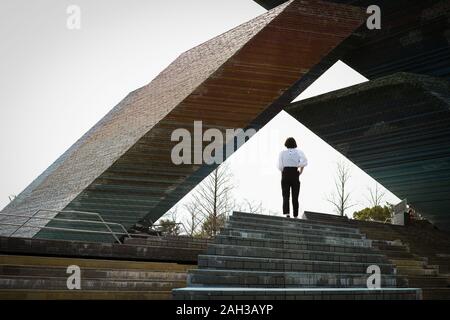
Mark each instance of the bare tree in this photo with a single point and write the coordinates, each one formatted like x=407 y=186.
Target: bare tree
x=194 y=219
x=340 y=199
x=376 y=196
x=172 y=214
x=168 y=224
x=213 y=199
x=250 y=207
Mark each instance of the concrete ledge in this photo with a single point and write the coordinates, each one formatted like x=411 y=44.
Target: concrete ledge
x=238 y=293
x=246 y=278
x=270 y=264
x=261 y=234
x=289 y=228
x=83 y=295
x=291 y=244
x=63 y=248
x=264 y=252
x=301 y=222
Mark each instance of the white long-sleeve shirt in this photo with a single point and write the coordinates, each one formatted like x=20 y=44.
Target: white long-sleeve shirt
x=292 y=158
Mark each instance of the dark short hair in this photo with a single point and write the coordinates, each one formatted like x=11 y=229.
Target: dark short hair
x=290 y=143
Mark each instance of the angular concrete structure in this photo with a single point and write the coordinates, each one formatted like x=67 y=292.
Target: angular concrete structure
x=414 y=37
x=397 y=129
x=122 y=167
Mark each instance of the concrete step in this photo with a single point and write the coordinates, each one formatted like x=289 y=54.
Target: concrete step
x=283 y=244
x=222 y=293
x=269 y=234
x=250 y=251
x=415 y=263
x=300 y=222
x=288 y=228
x=58 y=283
x=428 y=282
x=290 y=222
x=406 y=270
x=436 y=293
x=90 y=250
x=92 y=273
x=16 y=294
x=398 y=254
x=241 y=278
x=325 y=217
x=270 y=264
x=390 y=245
x=174 y=242
x=92 y=263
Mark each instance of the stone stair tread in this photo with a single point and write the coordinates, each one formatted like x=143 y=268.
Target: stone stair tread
x=293 y=289
x=86 y=284
x=62 y=268
x=31 y=277
x=408 y=262
x=276 y=250
x=292 y=242
x=375 y=254
x=292 y=235
x=286 y=242
x=93 y=263
x=295 y=293
x=289 y=229
x=205 y=256
x=291 y=220
x=275 y=273
x=294 y=223
x=42 y=294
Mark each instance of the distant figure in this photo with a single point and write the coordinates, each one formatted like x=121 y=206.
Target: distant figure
x=291 y=163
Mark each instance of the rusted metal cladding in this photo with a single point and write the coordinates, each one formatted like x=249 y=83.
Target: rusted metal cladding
x=122 y=168
x=397 y=129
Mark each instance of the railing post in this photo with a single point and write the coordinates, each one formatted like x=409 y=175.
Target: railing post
x=23 y=224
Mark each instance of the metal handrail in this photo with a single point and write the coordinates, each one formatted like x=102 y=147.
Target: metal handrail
x=102 y=221
x=59 y=219
x=96 y=214
x=89 y=213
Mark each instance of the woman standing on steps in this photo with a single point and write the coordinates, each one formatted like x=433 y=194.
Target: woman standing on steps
x=291 y=163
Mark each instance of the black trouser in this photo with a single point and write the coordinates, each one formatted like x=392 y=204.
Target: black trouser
x=290 y=180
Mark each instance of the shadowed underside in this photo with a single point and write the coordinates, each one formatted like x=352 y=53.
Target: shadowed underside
x=414 y=38
x=122 y=167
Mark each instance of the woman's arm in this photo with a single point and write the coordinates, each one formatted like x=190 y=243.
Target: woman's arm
x=280 y=161
x=303 y=161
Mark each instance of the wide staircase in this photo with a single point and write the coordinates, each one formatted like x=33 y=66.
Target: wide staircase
x=28 y=277
x=145 y=268
x=420 y=252
x=267 y=257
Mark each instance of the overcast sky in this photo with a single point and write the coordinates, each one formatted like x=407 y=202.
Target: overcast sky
x=56 y=83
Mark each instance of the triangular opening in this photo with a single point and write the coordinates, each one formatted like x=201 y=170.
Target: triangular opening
x=253 y=166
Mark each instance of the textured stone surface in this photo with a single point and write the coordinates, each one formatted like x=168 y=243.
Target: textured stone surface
x=250 y=261
x=122 y=168
x=414 y=37
x=33 y=277
x=154 y=250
